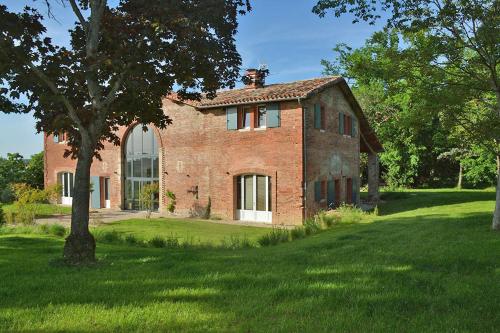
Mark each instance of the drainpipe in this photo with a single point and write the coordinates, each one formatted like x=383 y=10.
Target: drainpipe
x=304 y=162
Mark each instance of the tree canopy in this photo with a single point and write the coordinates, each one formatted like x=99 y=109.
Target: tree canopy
x=452 y=55
x=121 y=61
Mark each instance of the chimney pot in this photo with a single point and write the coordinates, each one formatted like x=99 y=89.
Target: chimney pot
x=256 y=78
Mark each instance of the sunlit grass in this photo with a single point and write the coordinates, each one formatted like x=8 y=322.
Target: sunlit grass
x=428 y=263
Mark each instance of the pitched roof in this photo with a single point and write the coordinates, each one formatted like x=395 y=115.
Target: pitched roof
x=268 y=93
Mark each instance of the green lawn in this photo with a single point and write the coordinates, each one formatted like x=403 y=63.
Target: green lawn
x=429 y=264
x=186 y=230
x=44 y=210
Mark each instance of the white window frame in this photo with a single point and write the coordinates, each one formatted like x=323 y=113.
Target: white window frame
x=66 y=187
x=254 y=215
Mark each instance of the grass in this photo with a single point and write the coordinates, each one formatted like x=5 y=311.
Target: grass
x=44 y=210
x=185 y=230
x=428 y=263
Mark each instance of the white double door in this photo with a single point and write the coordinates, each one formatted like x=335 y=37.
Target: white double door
x=254 y=198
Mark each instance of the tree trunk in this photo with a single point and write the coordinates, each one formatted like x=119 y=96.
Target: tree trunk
x=496 y=215
x=460 y=176
x=80 y=244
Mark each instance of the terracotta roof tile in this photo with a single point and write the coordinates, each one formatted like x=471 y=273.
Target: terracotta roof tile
x=268 y=93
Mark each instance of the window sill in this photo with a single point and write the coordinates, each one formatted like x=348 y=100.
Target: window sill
x=260 y=128
x=244 y=129
x=322 y=131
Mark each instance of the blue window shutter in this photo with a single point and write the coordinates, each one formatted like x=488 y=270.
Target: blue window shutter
x=95 y=198
x=341 y=123
x=354 y=131
x=317 y=191
x=331 y=194
x=232 y=118
x=317 y=116
x=273 y=114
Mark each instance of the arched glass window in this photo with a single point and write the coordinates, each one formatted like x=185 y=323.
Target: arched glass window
x=142 y=165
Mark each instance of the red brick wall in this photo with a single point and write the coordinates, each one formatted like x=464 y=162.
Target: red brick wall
x=329 y=155
x=198 y=150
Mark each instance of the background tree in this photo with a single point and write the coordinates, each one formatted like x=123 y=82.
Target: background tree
x=120 y=62
x=463 y=47
x=11 y=170
x=33 y=173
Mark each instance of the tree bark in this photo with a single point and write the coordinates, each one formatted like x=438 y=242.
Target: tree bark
x=460 y=176
x=80 y=244
x=496 y=215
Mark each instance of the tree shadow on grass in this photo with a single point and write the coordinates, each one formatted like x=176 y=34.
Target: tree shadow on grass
x=397 y=275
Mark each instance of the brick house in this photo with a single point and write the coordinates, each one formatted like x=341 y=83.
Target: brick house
x=268 y=153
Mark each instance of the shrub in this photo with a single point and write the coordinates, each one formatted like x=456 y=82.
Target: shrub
x=57 y=230
x=330 y=219
x=312 y=226
x=297 y=233
x=7 y=195
x=131 y=240
x=107 y=236
x=350 y=214
x=26 y=213
x=172 y=241
x=147 y=197
x=235 y=242
x=157 y=242
x=172 y=201
x=10 y=217
x=53 y=192
x=276 y=236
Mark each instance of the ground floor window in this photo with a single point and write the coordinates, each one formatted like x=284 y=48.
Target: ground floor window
x=66 y=179
x=254 y=198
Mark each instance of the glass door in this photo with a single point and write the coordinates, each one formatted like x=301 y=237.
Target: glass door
x=254 y=198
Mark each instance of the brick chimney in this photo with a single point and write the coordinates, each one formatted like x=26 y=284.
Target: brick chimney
x=254 y=78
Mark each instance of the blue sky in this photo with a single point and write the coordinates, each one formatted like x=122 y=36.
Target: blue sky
x=284 y=34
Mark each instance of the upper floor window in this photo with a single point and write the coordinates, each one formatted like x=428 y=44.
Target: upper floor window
x=262 y=116
x=60 y=137
x=248 y=117
x=319 y=117
x=348 y=125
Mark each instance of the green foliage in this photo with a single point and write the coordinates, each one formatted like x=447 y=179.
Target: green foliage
x=33 y=173
x=236 y=242
x=11 y=170
x=171 y=201
x=7 y=195
x=2 y=217
x=312 y=226
x=131 y=239
x=275 y=237
x=148 y=196
x=158 y=242
x=350 y=214
x=297 y=233
x=14 y=169
x=53 y=229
